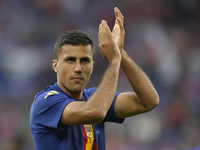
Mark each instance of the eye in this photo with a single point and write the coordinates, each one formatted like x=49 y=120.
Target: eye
x=85 y=60
x=71 y=59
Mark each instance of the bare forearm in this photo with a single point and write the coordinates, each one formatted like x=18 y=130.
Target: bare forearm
x=140 y=83
x=102 y=98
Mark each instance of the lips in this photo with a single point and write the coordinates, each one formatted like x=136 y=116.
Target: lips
x=77 y=78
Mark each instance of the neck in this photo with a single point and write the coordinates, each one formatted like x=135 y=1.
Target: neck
x=75 y=94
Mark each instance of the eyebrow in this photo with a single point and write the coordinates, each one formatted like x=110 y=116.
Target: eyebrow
x=85 y=57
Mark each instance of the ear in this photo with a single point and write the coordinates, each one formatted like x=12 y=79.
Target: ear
x=54 y=65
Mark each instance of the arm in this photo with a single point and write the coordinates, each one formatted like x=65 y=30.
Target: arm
x=144 y=98
x=96 y=107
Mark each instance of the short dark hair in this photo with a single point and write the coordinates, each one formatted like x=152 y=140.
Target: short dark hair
x=72 y=37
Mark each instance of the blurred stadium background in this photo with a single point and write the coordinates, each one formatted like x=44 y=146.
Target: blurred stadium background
x=162 y=36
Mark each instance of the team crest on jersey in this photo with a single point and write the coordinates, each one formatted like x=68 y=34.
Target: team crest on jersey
x=89 y=131
x=51 y=93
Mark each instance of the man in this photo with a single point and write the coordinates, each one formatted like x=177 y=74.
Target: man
x=66 y=116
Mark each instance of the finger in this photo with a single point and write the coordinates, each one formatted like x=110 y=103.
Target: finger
x=116 y=21
x=103 y=22
x=104 y=32
x=102 y=26
x=119 y=14
x=121 y=24
x=116 y=12
x=120 y=20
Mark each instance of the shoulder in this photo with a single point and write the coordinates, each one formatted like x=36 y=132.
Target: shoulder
x=50 y=96
x=49 y=100
x=51 y=91
x=88 y=92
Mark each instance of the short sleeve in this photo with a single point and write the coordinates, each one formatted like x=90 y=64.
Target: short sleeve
x=47 y=109
x=110 y=117
x=87 y=93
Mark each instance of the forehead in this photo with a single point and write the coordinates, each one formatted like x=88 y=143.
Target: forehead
x=76 y=51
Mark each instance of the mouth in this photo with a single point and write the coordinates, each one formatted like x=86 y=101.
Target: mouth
x=77 y=78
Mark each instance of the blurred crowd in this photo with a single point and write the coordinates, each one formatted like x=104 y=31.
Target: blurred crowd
x=162 y=36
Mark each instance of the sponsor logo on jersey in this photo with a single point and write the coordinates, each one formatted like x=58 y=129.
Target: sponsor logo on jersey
x=51 y=93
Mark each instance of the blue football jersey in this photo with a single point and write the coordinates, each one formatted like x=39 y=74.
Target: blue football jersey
x=46 y=111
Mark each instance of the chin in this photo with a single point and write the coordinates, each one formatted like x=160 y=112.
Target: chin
x=76 y=89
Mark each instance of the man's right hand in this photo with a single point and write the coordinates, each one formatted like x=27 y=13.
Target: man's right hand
x=108 y=47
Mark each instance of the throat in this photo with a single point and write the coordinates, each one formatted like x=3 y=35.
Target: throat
x=75 y=94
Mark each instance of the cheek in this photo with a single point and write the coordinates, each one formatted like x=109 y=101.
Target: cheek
x=88 y=74
x=63 y=73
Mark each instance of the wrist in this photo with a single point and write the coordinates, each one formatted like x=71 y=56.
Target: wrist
x=115 y=62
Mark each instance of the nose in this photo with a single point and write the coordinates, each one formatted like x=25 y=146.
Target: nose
x=78 y=68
